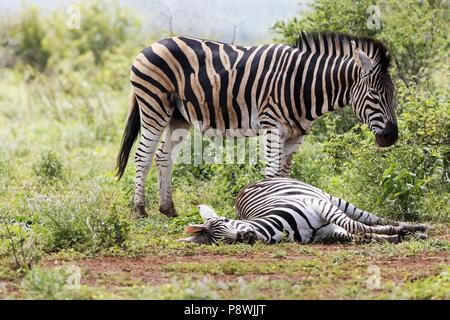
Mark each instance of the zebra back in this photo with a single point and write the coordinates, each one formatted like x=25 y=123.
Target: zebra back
x=257 y=199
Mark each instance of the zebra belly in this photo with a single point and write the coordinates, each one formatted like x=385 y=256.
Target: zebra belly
x=203 y=122
x=299 y=224
x=309 y=224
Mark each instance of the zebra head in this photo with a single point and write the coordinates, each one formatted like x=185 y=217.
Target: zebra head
x=216 y=229
x=373 y=98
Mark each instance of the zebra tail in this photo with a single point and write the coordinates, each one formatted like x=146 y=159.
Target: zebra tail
x=129 y=136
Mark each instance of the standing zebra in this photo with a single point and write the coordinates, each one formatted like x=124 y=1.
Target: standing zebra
x=275 y=89
x=270 y=209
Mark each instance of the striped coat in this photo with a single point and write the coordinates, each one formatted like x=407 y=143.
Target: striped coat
x=275 y=209
x=273 y=90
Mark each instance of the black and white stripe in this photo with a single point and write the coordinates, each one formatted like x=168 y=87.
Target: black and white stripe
x=281 y=208
x=275 y=89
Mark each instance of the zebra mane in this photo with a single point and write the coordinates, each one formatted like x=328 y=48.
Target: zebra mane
x=375 y=49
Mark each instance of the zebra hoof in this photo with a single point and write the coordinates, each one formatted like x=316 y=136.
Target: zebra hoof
x=414 y=236
x=169 y=212
x=139 y=211
x=421 y=236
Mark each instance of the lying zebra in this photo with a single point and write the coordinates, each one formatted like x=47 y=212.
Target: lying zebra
x=270 y=209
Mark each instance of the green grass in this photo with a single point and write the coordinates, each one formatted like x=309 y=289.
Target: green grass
x=338 y=273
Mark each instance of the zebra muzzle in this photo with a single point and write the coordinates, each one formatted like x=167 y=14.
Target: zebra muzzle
x=388 y=136
x=246 y=237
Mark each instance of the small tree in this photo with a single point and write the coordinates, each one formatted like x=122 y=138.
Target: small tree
x=415 y=31
x=28 y=40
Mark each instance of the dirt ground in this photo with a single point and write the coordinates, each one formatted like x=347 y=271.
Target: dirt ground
x=411 y=270
x=115 y=272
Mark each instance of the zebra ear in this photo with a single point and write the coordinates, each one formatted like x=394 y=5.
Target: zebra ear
x=196 y=238
x=206 y=212
x=195 y=228
x=362 y=60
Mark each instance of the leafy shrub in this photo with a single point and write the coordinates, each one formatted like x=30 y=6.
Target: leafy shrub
x=18 y=244
x=28 y=40
x=49 y=168
x=415 y=31
x=76 y=221
x=57 y=283
x=104 y=27
x=47 y=44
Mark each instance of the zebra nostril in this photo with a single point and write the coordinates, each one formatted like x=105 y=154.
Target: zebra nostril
x=249 y=237
x=388 y=136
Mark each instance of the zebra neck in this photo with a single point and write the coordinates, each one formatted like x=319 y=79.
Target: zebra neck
x=326 y=82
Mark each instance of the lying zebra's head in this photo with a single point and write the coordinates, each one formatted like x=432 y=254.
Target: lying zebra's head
x=373 y=98
x=219 y=229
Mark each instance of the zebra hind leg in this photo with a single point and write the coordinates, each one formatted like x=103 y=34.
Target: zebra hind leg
x=153 y=122
x=360 y=215
x=340 y=235
x=368 y=218
x=143 y=160
x=332 y=214
x=164 y=158
x=401 y=237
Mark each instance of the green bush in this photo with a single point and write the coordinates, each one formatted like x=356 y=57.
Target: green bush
x=18 y=244
x=49 y=168
x=29 y=39
x=103 y=39
x=415 y=31
x=77 y=221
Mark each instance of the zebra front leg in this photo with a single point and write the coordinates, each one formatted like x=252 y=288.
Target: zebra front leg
x=274 y=152
x=164 y=158
x=333 y=214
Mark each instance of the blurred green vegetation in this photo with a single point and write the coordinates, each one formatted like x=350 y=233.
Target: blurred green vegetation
x=416 y=32
x=63 y=103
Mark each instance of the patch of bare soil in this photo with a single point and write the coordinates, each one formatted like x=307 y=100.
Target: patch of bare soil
x=149 y=270
x=413 y=268
x=7 y=289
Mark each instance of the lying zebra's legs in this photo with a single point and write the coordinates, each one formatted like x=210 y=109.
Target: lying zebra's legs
x=274 y=152
x=153 y=124
x=333 y=214
x=336 y=234
x=164 y=158
x=360 y=215
x=291 y=145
